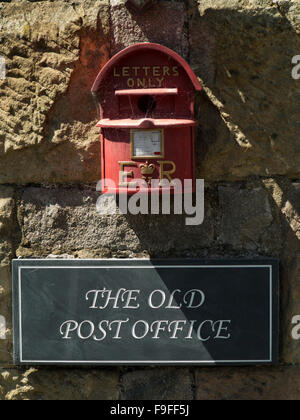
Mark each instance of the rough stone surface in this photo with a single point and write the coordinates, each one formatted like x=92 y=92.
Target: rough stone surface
x=290 y=275
x=291 y=308
x=291 y=212
x=248 y=383
x=246 y=218
x=242 y=51
x=247 y=151
x=61 y=384
x=6 y=224
x=5 y=317
x=61 y=220
x=164 y=23
x=53 y=52
x=239 y=220
x=157 y=384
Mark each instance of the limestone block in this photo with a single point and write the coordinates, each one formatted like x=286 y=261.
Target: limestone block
x=65 y=220
x=242 y=51
x=157 y=384
x=53 y=52
x=246 y=219
x=59 y=384
x=164 y=23
x=6 y=224
x=6 y=338
x=248 y=383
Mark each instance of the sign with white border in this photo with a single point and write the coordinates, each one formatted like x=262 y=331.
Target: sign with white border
x=143 y=312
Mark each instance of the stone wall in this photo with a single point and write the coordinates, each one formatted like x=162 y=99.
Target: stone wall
x=248 y=152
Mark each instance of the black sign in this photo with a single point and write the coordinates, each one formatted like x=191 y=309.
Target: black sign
x=111 y=312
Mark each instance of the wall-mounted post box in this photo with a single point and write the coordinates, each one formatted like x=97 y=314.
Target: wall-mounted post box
x=146 y=102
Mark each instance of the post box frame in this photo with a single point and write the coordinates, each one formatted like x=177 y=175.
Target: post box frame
x=113 y=120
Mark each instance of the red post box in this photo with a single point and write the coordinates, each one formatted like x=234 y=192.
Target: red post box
x=146 y=102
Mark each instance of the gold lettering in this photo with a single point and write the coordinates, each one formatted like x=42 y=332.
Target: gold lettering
x=156 y=71
x=123 y=175
x=125 y=71
x=175 y=71
x=130 y=83
x=141 y=83
x=136 y=71
x=150 y=84
x=160 y=80
x=166 y=71
x=163 y=172
x=115 y=73
x=146 y=70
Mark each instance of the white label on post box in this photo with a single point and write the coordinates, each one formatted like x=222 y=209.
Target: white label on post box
x=147 y=144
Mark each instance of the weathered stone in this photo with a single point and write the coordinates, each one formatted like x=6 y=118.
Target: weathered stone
x=290 y=273
x=60 y=220
x=291 y=308
x=246 y=221
x=248 y=383
x=286 y=197
x=53 y=52
x=291 y=211
x=68 y=384
x=249 y=123
x=164 y=23
x=139 y=5
x=157 y=384
x=242 y=51
x=5 y=317
x=6 y=224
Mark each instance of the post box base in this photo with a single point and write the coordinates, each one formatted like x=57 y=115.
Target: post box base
x=160 y=191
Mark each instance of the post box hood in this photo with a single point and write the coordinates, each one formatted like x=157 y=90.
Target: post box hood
x=142 y=47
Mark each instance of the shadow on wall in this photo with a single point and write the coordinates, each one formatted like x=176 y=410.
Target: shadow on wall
x=244 y=60
x=68 y=149
x=286 y=196
x=248 y=125
x=78 y=105
x=249 y=118
x=166 y=22
x=248 y=114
